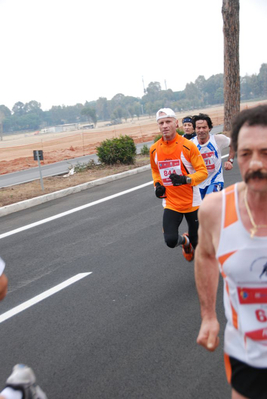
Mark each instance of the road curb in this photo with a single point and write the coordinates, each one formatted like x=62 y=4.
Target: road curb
x=6 y=210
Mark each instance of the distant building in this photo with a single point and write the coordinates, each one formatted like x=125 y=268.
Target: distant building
x=68 y=127
x=87 y=126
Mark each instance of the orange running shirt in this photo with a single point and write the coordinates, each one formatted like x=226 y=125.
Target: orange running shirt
x=179 y=156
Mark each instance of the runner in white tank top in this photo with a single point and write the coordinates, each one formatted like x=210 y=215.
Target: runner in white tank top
x=243 y=265
x=210 y=147
x=233 y=235
x=211 y=152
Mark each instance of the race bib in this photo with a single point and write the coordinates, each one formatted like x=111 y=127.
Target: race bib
x=253 y=312
x=166 y=168
x=209 y=161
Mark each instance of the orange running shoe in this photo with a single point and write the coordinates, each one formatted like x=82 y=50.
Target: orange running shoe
x=188 y=251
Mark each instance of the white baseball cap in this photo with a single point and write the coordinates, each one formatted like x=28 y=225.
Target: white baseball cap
x=169 y=113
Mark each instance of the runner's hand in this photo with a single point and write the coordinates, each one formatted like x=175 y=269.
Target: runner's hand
x=177 y=180
x=160 y=190
x=208 y=334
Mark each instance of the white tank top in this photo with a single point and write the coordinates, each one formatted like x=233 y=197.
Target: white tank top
x=211 y=153
x=243 y=265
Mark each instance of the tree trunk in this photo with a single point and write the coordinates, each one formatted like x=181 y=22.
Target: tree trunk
x=230 y=13
x=2 y=117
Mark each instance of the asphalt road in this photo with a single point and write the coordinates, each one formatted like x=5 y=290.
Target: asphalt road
x=60 y=168
x=128 y=329
x=53 y=169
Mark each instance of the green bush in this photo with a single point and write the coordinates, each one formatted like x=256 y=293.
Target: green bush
x=144 y=150
x=117 y=150
x=158 y=137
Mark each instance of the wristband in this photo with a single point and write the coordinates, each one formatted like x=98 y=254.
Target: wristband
x=188 y=180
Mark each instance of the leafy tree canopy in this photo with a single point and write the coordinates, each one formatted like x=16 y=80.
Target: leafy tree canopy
x=201 y=93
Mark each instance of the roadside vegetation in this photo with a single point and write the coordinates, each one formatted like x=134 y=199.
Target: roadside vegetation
x=120 y=150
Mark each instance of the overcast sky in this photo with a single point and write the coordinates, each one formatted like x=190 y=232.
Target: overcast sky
x=71 y=51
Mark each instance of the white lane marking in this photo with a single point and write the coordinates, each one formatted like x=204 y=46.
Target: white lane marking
x=60 y=215
x=25 y=305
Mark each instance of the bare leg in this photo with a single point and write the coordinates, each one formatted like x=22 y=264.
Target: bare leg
x=236 y=395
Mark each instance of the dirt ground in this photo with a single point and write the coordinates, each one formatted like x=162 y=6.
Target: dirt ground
x=16 y=152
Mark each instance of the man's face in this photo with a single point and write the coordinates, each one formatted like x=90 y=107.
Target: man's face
x=252 y=156
x=188 y=128
x=202 y=131
x=167 y=127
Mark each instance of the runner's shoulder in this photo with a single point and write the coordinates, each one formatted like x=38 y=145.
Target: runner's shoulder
x=222 y=139
x=153 y=147
x=211 y=206
x=189 y=145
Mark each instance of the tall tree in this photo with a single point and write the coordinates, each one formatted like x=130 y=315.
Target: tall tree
x=90 y=113
x=263 y=80
x=102 y=108
x=5 y=111
x=32 y=106
x=230 y=13
x=18 y=109
x=153 y=88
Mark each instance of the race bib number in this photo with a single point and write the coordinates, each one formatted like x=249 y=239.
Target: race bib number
x=166 y=168
x=209 y=161
x=253 y=312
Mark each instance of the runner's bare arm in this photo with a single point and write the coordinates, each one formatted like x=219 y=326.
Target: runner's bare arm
x=228 y=165
x=154 y=168
x=207 y=271
x=3 y=286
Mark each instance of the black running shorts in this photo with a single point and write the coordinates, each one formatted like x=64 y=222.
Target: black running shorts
x=248 y=381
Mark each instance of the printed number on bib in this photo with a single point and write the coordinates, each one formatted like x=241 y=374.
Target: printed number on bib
x=261 y=315
x=209 y=161
x=166 y=168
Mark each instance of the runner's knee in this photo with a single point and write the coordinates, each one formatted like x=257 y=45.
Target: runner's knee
x=173 y=241
x=170 y=240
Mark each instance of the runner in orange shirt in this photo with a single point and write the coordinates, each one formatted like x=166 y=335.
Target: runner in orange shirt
x=177 y=168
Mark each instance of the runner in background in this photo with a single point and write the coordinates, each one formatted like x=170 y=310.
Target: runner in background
x=210 y=147
x=189 y=127
x=21 y=384
x=177 y=168
x=3 y=280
